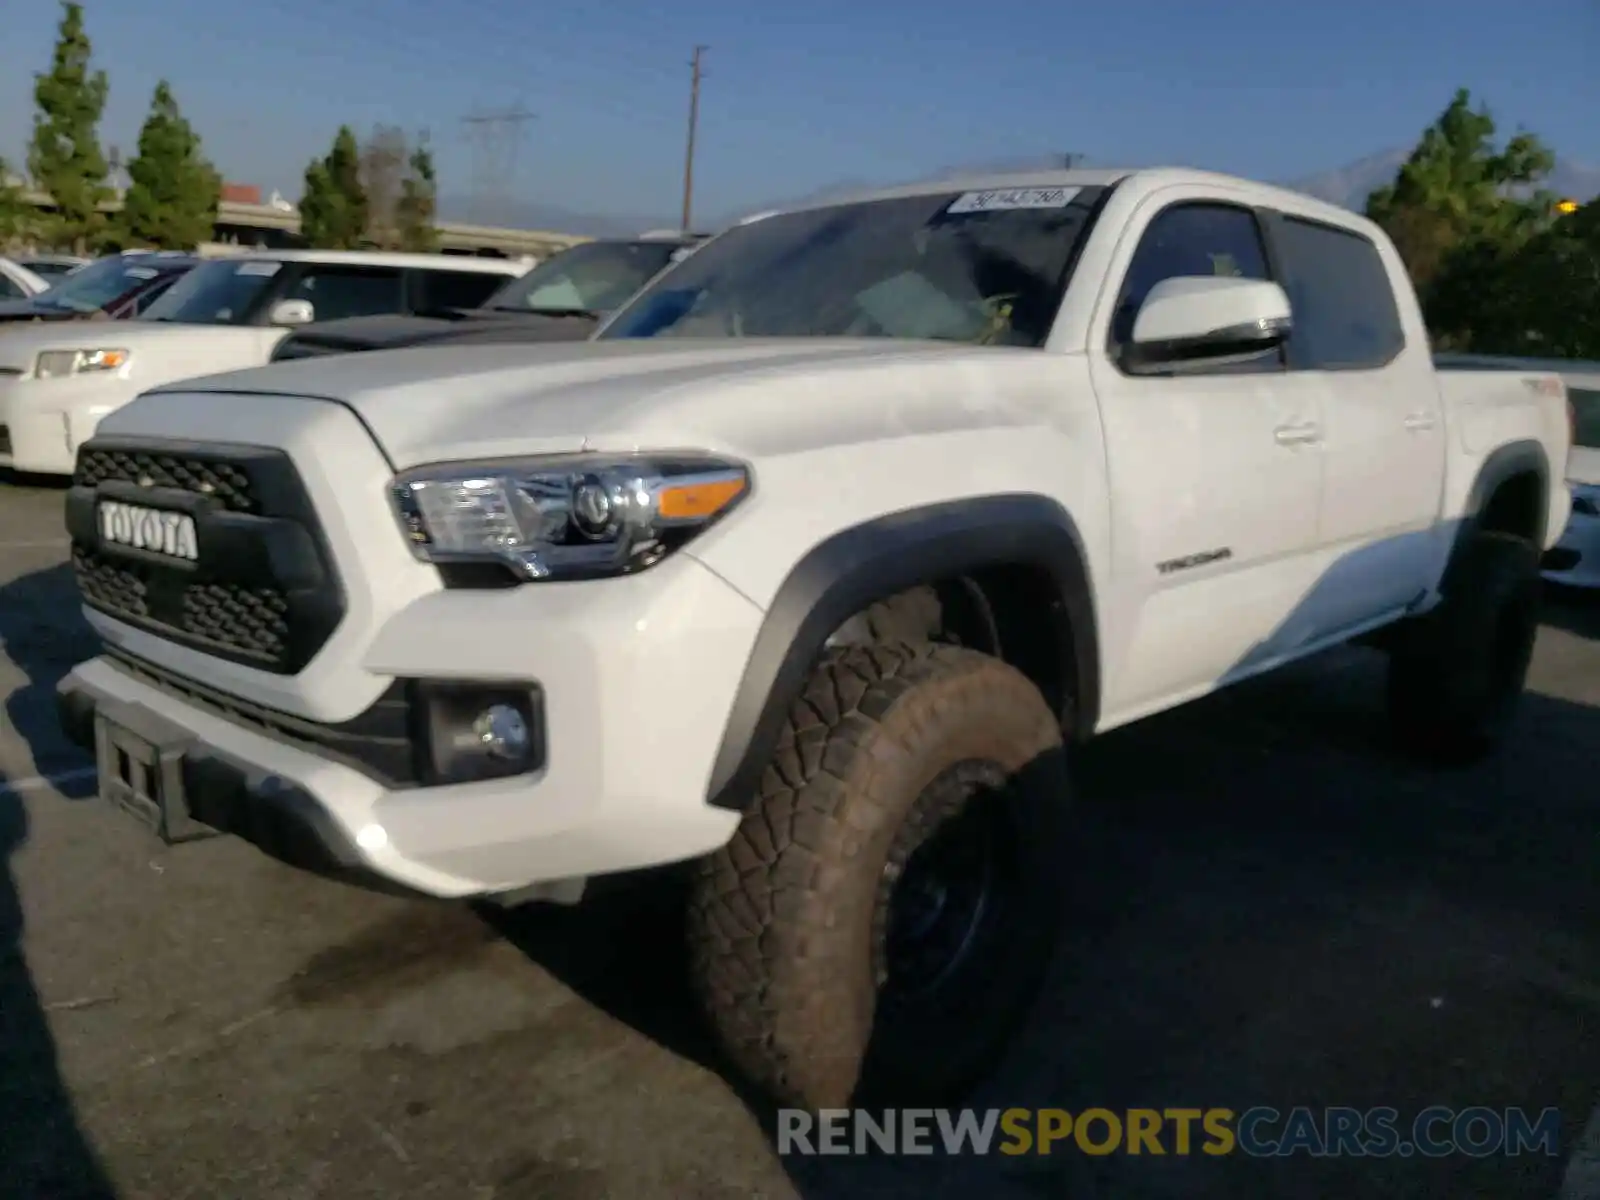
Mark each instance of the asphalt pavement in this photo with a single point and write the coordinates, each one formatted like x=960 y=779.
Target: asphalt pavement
x=1268 y=909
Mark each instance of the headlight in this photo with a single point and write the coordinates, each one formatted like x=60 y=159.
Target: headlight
x=53 y=364
x=579 y=516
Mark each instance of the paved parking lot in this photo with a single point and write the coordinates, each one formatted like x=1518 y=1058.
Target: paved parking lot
x=1268 y=910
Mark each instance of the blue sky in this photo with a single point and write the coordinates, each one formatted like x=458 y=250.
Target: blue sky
x=799 y=96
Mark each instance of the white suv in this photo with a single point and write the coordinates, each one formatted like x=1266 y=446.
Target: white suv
x=58 y=380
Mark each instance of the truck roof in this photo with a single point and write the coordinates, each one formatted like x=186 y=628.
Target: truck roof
x=1158 y=176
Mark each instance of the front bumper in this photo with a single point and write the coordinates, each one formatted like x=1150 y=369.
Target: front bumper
x=47 y=420
x=636 y=677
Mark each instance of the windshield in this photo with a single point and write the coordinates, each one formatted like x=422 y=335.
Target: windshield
x=591 y=277
x=986 y=268
x=220 y=292
x=97 y=284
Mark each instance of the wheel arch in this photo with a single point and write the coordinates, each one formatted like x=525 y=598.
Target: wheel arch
x=1510 y=494
x=1022 y=536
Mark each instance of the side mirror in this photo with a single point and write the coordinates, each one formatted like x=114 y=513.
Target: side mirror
x=292 y=312
x=1207 y=320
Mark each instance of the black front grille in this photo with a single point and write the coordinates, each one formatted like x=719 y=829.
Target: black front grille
x=261 y=589
x=227 y=482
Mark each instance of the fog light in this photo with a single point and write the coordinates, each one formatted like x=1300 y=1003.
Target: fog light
x=501 y=732
x=479 y=731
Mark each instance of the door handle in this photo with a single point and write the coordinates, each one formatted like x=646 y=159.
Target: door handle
x=1418 y=422
x=1297 y=435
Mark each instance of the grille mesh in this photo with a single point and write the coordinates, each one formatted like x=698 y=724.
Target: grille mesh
x=223 y=481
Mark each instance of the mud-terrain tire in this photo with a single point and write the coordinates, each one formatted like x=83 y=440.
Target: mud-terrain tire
x=795 y=924
x=1456 y=674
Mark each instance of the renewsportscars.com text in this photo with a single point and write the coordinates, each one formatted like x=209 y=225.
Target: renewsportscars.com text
x=1259 y=1132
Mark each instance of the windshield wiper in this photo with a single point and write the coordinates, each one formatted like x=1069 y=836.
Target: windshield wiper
x=592 y=313
x=444 y=313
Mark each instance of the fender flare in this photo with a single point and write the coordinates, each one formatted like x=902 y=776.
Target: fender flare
x=1502 y=463
x=849 y=570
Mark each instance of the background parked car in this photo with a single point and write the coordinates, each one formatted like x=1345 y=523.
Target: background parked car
x=52 y=268
x=563 y=299
x=17 y=282
x=121 y=286
x=58 y=381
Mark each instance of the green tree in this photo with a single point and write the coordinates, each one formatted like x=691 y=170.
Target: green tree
x=1544 y=300
x=333 y=207
x=1459 y=209
x=173 y=191
x=64 y=156
x=415 y=211
x=15 y=213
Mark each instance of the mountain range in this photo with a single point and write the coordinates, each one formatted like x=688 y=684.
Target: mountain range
x=1348 y=186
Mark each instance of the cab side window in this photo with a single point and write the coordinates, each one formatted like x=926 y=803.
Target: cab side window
x=339 y=291
x=1192 y=239
x=1345 y=316
x=453 y=289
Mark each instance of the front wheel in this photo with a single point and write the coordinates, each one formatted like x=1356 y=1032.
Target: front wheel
x=880 y=922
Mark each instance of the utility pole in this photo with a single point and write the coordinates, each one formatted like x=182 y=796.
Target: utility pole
x=495 y=136
x=694 y=120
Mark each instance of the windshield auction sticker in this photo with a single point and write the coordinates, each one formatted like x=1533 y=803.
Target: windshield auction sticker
x=1000 y=199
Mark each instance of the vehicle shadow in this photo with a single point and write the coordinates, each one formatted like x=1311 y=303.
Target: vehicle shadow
x=1574 y=610
x=44 y=1154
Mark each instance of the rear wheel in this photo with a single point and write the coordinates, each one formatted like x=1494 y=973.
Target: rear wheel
x=1457 y=674
x=879 y=923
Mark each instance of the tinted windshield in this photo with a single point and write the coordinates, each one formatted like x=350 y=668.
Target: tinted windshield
x=98 y=284
x=220 y=292
x=592 y=277
x=985 y=268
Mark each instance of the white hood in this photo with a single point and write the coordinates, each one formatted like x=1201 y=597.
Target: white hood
x=740 y=396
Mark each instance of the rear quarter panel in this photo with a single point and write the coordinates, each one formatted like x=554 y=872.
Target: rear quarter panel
x=1489 y=409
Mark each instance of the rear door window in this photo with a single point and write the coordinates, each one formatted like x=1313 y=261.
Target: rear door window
x=1344 y=311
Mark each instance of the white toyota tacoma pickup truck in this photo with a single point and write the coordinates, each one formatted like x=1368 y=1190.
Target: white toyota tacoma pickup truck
x=812 y=568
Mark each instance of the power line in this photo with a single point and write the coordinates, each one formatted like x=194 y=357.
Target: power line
x=696 y=75
x=495 y=137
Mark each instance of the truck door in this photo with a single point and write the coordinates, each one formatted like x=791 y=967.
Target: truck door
x=1215 y=475
x=1383 y=447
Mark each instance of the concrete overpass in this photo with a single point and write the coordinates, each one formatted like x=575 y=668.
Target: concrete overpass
x=265 y=225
